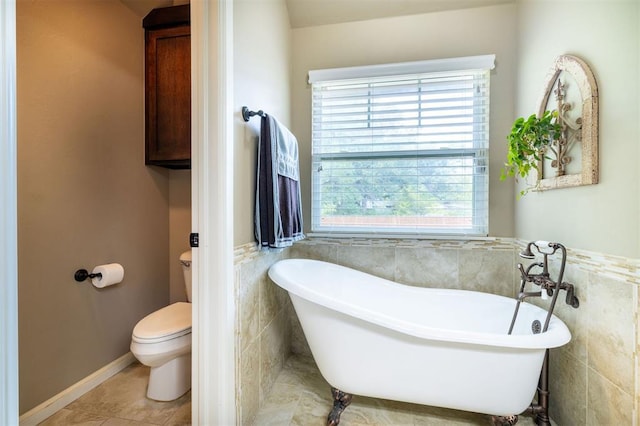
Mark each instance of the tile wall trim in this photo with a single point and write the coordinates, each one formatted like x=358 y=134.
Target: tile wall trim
x=245 y=253
x=456 y=244
x=616 y=267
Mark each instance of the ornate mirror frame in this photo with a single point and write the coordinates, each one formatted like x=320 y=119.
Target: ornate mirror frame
x=585 y=129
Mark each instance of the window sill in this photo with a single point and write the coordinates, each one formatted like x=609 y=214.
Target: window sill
x=390 y=236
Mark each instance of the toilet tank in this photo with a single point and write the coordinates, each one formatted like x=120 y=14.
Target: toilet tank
x=185 y=261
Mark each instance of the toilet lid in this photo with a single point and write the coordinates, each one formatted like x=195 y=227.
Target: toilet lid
x=167 y=323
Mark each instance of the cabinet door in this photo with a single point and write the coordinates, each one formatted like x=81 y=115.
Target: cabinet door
x=168 y=97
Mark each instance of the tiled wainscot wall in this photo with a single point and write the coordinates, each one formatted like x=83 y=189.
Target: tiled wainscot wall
x=263 y=328
x=593 y=378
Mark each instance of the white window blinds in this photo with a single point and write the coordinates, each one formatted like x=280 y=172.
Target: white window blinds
x=404 y=153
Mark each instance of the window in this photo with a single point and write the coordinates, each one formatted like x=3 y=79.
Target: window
x=401 y=148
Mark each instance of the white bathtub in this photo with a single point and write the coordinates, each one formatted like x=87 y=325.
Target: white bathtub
x=446 y=348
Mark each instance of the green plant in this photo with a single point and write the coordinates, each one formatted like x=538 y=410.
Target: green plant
x=528 y=142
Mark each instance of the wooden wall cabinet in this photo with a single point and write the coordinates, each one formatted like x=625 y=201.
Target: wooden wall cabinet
x=168 y=87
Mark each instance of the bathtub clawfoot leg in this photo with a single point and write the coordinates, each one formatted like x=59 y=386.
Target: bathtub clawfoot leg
x=340 y=401
x=504 y=420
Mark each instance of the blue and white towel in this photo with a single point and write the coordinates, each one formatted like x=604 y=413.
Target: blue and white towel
x=278 y=214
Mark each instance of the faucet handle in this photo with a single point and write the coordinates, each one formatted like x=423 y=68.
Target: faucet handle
x=522 y=272
x=571 y=298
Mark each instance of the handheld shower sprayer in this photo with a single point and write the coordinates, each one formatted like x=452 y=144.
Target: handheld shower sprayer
x=543 y=247
x=527 y=253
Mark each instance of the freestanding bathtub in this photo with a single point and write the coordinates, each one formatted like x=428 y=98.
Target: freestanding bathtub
x=447 y=348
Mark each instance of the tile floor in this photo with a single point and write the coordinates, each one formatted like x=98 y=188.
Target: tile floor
x=300 y=397
x=121 y=401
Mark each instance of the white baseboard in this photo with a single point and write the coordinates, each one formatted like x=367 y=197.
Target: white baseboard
x=75 y=391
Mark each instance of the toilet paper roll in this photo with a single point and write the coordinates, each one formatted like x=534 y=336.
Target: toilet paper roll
x=112 y=273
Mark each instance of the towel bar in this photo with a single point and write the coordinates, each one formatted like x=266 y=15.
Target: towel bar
x=246 y=114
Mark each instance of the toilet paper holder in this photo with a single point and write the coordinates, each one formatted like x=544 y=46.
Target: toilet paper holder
x=83 y=274
x=102 y=275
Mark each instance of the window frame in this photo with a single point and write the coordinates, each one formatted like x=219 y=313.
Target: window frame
x=478 y=153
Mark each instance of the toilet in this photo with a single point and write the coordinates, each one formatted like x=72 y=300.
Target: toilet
x=162 y=341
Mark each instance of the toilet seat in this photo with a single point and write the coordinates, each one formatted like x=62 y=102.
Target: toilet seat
x=168 y=323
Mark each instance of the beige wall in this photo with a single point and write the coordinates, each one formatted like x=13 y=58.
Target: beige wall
x=84 y=195
x=411 y=38
x=602 y=217
x=179 y=230
x=262 y=74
